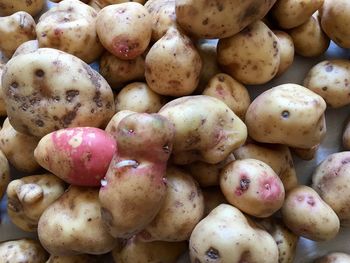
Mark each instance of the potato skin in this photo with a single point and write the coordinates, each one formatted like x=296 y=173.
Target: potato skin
x=227 y=235
x=306 y=154
x=82 y=207
x=70 y=26
x=2 y=101
x=211 y=19
x=307 y=215
x=335 y=257
x=22 y=250
x=48 y=89
x=9 y=7
x=239 y=57
x=288 y=114
x=205 y=129
x=83 y=258
x=286 y=51
x=4 y=174
x=328 y=79
x=27 y=47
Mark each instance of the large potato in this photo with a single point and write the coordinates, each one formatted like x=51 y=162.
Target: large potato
x=227 y=236
x=335 y=257
x=4 y=174
x=287 y=114
x=83 y=258
x=286 y=51
x=331 y=180
x=29 y=196
x=72 y=225
x=307 y=215
x=48 y=89
x=219 y=19
x=205 y=129
x=15 y=30
x=124 y=29
x=330 y=80
x=70 y=26
x=239 y=56
x=173 y=65
x=18 y=148
x=9 y=7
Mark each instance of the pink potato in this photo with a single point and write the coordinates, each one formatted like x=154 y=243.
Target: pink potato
x=80 y=156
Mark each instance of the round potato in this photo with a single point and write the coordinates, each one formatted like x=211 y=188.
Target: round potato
x=48 y=89
x=288 y=114
x=173 y=65
x=286 y=51
x=84 y=258
x=230 y=91
x=9 y=7
x=27 y=47
x=330 y=80
x=70 y=26
x=240 y=58
x=307 y=215
x=129 y=34
x=4 y=174
x=219 y=19
x=138 y=97
x=335 y=257
x=213 y=197
x=15 y=30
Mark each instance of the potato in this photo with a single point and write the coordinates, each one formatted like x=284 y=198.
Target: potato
x=309 y=39
x=240 y=58
x=129 y=34
x=27 y=47
x=29 y=196
x=70 y=26
x=173 y=65
x=79 y=156
x=138 y=97
x=48 y=89
x=81 y=207
x=278 y=157
x=134 y=188
x=306 y=154
x=205 y=129
x=346 y=136
x=18 y=148
x=288 y=114
x=9 y=7
x=2 y=101
x=307 y=215
x=114 y=122
x=182 y=209
x=83 y=258
x=292 y=13
x=4 y=174
x=208 y=174
x=331 y=179
x=286 y=51
x=230 y=91
x=213 y=197
x=219 y=19
x=334 y=20
x=135 y=251
x=227 y=236
x=15 y=30
x=117 y=71
x=330 y=80
x=252 y=186
x=335 y=257
x=22 y=250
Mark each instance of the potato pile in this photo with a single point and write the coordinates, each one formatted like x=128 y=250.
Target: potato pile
x=163 y=151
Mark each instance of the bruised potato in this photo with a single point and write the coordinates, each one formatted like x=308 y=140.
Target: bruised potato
x=4 y=174
x=29 y=196
x=48 y=89
x=335 y=257
x=83 y=258
x=9 y=7
x=286 y=51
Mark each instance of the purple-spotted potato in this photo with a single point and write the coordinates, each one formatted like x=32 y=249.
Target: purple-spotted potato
x=334 y=257
x=83 y=258
x=287 y=51
x=32 y=7
x=4 y=174
x=27 y=47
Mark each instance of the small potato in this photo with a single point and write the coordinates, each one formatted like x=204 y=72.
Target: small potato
x=307 y=215
x=335 y=257
x=278 y=157
x=54 y=90
x=129 y=34
x=118 y=71
x=72 y=225
x=205 y=129
x=138 y=97
x=286 y=51
x=288 y=114
x=9 y=7
x=70 y=26
x=292 y=13
x=84 y=258
x=227 y=236
x=306 y=154
x=136 y=251
x=29 y=196
x=79 y=156
x=173 y=65
x=4 y=174
x=2 y=101
x=239 y=56
x=230 y=91
x=330 y=80
x=331 y=180
x=27 y=47
x=15 y=30
x=18 y=148
x=346 y=136
x=309 y=39
x=252 y=186
x=181 y=211
x=213 y=197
